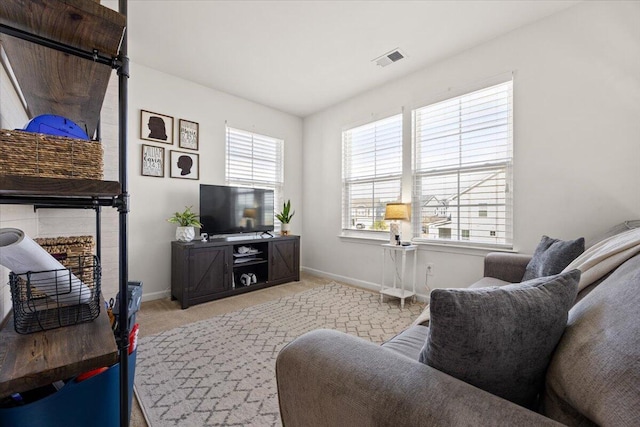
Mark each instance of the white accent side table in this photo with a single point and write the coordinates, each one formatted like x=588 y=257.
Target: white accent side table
x=398 y=288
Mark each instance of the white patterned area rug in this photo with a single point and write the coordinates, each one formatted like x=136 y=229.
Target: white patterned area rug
x=221 y=371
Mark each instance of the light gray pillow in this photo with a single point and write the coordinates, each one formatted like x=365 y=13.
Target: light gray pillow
x=500 y=339
x=552 y=256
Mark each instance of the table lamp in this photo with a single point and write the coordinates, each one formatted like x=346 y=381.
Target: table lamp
x=395 y=212
x=250 y=215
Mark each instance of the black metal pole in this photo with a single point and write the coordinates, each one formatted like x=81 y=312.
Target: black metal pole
x=123 y=209
x=43 y=41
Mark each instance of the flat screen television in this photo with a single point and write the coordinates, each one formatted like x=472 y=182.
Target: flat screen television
x=230 y=210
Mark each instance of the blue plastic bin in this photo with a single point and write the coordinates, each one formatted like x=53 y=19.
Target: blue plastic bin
x=93 y=402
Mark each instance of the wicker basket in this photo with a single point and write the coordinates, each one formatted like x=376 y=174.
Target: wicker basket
x=34 y=310
x=67 y=249
x=51 y=299
x=35 y=154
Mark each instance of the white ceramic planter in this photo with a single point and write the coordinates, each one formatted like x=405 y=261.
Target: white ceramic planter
x=185 y=234
x=284 y=229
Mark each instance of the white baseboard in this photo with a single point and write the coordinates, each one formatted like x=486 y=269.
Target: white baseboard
x=355 y=282
x=155 y=295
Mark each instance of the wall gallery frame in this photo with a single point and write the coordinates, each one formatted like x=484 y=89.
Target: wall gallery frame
x=156 y=127
x=184 y=165
x=188 y=134
x=152 y=161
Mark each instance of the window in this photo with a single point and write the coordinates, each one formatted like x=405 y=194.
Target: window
x=482 y=210
x=462 y=167
x=255 y=160
x=372 y=173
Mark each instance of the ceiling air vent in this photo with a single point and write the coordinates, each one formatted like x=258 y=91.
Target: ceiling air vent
x=389 y=57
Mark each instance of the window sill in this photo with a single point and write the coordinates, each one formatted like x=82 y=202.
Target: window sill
x=372 y=238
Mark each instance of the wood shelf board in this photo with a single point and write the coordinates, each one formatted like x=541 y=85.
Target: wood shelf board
x=38 y=359
x=55 y=83
x=85 y=25
x=57 y=187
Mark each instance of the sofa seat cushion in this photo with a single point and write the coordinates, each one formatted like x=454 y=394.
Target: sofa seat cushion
x=595 y=370
x=409 y=342
x=500 y=339
x=552 y=256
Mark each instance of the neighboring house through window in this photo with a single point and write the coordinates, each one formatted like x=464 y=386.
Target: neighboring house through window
x=254 y=160
x=372 y=173
x=462 y=168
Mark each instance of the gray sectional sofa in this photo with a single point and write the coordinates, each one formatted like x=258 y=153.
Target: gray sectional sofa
x=327 y=378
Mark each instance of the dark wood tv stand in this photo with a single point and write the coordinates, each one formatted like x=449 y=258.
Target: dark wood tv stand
x=205 y=271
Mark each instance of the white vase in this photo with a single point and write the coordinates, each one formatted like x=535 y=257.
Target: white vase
x=284 y=229
x=185 y=234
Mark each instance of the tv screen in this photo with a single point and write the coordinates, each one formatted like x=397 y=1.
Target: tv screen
x=228 y=210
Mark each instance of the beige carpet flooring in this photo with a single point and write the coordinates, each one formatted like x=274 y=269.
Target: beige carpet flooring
x=164 y=315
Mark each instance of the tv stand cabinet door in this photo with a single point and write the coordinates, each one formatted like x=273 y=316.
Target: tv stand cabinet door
x=208 y=273
x=285 y=260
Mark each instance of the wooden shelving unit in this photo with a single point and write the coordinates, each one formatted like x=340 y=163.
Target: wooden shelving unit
x=62 y=53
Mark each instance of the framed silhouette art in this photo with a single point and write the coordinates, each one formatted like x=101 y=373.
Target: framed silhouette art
x=184 y=165
x=156 y=127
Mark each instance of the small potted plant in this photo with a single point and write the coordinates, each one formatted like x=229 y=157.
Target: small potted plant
x=285 y=217
x=186 y=221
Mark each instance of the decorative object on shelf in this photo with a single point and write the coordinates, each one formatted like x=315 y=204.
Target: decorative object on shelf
x=50 y=124
x=395 y=212
x=152 y=161
x=248 y=279
x=184 y=165
x=186 y=221
x=49 y=156
x=156 y=127
x=188 y=134
x=285 y=217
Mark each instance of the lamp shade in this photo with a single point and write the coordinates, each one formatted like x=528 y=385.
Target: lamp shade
x=250 y=213
x=396 y=211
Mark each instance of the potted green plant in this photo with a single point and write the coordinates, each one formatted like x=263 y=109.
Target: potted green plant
x=186 y=221
x=285 y=217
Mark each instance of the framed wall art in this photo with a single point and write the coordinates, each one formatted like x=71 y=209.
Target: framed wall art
x=188 y=134
x=152 y=161
x=184 y=165
x=156 y=127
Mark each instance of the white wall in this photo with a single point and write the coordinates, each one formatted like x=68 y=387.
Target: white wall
x=153 y=200
x=576 y=139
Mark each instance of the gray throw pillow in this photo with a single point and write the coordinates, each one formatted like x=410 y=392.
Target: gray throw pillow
x=500 y=339
x=552 y=256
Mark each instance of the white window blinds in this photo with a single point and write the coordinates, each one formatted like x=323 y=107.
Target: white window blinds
x=372 y=173
x=255 y=160
x=462 y=170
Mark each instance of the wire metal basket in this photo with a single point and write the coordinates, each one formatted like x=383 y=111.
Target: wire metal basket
x=44 y=300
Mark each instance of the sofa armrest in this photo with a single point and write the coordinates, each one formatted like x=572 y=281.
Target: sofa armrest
x=506 y=266
x=328 y=378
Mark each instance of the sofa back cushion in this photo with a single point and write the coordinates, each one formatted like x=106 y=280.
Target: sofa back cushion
x=552 y=256
x=594 y=375
x=500 y=339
